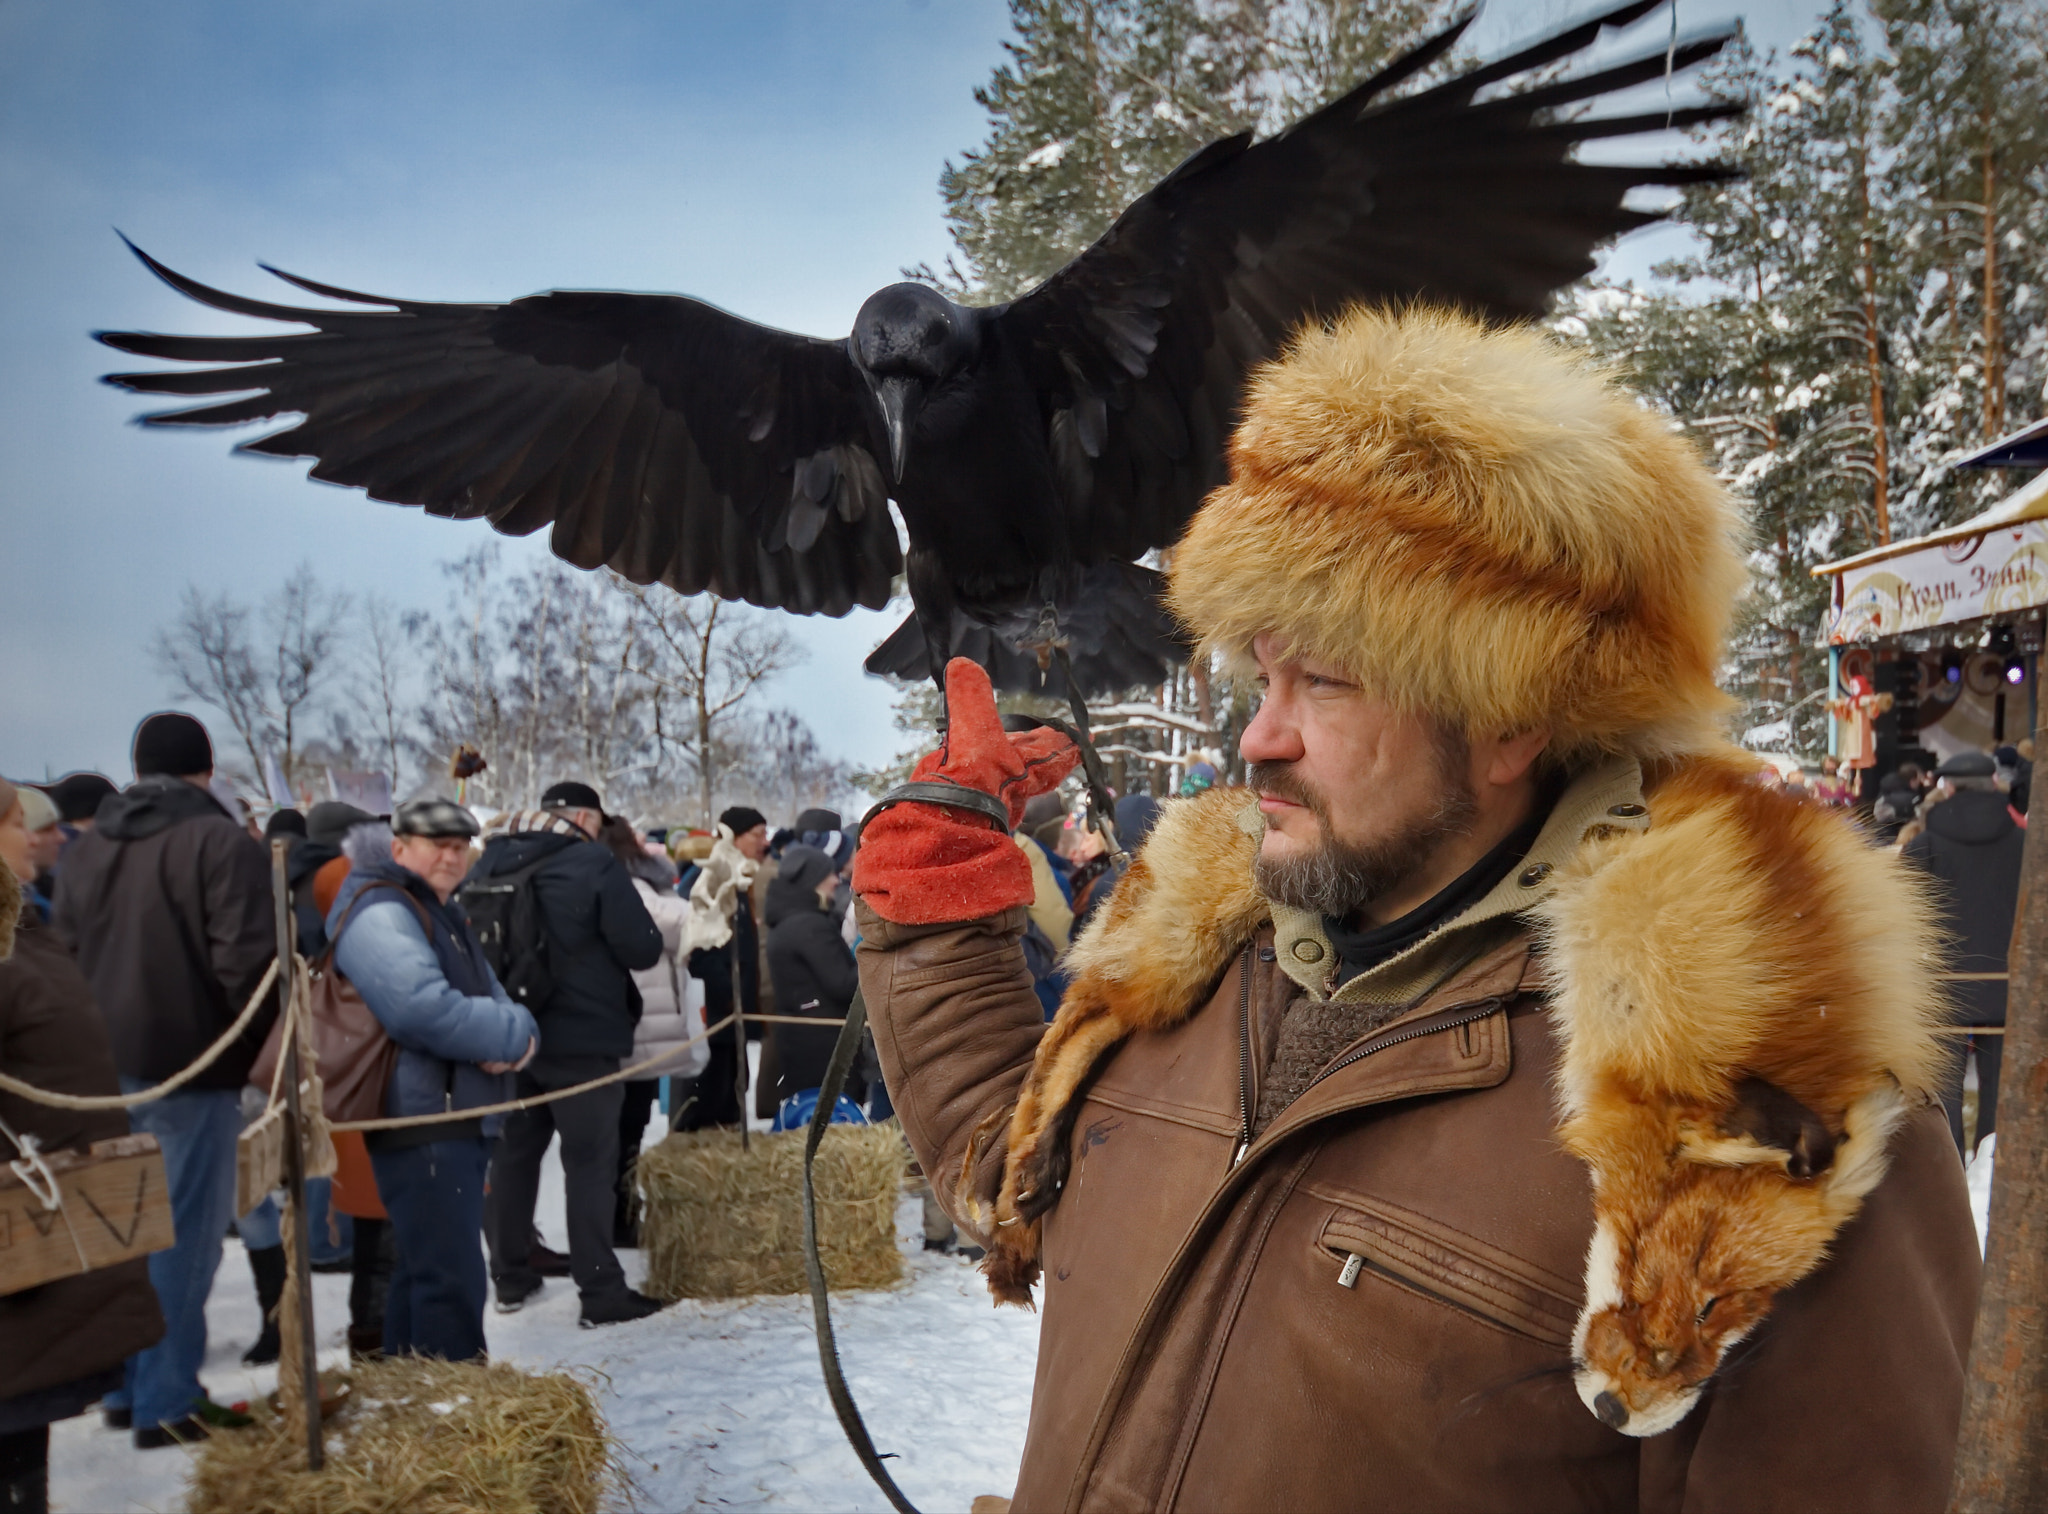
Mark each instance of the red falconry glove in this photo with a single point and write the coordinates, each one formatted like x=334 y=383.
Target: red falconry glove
x=926 y=863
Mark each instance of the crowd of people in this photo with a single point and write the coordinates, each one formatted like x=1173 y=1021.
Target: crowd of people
x=539 y=955
x=543 y=954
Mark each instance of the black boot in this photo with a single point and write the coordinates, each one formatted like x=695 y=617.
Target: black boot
x=369 y=1282
x=25 y=1471
x=268 y=1265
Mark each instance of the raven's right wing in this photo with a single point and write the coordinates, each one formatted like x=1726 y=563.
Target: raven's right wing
x=1140 y=347
x=657 y=435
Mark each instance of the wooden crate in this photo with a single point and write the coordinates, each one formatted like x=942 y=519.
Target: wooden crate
x=114 y=1206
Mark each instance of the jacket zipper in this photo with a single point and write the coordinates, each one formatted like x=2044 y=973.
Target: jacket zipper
x=1244 y=1058
x=1463 y=1014
x=1479 y=1010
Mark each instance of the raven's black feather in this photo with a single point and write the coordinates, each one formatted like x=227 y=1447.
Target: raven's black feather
x=1036 y=449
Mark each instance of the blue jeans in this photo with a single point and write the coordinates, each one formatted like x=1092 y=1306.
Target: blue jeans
x=435 y=1197
x=196 y=1129
x=263 y=1226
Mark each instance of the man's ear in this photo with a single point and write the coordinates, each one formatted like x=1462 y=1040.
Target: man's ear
x=1514 y=753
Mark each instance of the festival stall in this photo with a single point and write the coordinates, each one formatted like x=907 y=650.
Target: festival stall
x=1932 y=640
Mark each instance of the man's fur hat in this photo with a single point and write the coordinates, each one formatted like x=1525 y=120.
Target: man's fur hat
x=1478 y=526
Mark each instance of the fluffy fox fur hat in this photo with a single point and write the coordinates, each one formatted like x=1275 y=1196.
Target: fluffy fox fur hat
x=1477 y=526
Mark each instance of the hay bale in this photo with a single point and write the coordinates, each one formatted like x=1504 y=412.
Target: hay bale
x=717 y=1222
x=417 y=1436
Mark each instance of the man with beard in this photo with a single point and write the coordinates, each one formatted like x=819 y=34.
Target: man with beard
x=1426 y=1121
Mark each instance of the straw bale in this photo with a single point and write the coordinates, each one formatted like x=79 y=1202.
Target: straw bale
x=418 y=1436
x=718 y=1222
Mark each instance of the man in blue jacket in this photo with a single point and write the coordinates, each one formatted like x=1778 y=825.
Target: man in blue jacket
x=417 y=965
x=598 y=934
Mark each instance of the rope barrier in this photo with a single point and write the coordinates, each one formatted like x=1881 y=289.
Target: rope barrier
x=149 y=1095
x=512 y=1106
x=54 y=1100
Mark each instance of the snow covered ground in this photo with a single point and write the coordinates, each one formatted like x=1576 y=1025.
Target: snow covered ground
x=720 y=1405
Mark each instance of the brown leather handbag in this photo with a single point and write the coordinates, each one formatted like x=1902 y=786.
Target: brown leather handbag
x=352 y=1052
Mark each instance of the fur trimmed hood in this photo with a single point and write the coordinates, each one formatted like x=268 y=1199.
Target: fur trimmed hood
x=1477 y=526
x=1746 y=999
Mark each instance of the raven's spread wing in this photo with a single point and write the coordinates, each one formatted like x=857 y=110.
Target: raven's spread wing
x=1142 y=344
x=654 y=433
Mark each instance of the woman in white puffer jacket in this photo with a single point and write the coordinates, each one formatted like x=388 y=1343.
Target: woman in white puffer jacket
x=671 y=1010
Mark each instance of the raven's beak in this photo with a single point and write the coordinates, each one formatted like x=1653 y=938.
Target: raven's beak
x=900 y=399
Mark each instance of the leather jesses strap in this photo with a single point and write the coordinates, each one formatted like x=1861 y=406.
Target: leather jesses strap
x=843 y=1051
x=942 y=791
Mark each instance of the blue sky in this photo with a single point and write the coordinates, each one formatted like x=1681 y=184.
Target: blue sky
x=779 y=159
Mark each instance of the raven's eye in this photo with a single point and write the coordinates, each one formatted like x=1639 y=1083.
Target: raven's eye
x=1706 y=1309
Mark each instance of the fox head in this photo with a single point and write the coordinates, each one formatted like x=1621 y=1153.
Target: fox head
x=1700 y=1221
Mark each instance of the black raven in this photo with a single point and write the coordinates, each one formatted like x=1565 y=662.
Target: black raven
x=1036 y=449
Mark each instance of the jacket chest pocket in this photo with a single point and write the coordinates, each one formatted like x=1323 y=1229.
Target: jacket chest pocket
x=1366 y=1237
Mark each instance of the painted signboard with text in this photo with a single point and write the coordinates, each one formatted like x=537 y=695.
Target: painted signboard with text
x=2002 y=570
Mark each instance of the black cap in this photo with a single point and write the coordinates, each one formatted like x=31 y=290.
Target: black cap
x=285 y=822
x=1967 y=765
x=820 y=821
x=572 y=796
x=172 y=742
x=742 y=818
x=329 y=820
x=78 y=795
x=434 y=817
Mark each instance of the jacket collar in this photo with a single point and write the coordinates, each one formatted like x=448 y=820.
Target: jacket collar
x=1600 y=801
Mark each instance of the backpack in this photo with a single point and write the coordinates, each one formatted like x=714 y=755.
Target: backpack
x=504 y=912
x=354 y=1055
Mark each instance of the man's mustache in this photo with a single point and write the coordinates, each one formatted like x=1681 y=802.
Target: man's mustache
x=1279 y=780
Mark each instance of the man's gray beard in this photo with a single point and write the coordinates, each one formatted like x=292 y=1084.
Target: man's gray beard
x=1338 y=877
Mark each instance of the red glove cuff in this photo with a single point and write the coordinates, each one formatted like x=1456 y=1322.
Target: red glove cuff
x=920 y=864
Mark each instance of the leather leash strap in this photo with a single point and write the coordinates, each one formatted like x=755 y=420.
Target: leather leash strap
x=843 y=1052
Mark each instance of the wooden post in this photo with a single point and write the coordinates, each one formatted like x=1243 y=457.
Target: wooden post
x=295 y=1163
x=2002 y=1456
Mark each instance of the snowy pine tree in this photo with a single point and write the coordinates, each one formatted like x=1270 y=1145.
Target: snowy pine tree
x=1101 y=99
x=1827 y=342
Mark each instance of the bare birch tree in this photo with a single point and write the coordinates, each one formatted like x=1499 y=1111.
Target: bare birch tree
x=702 y=657
x=264 y=672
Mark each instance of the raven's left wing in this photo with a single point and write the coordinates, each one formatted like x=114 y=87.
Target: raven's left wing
x=1140 y=347
x=654 y=433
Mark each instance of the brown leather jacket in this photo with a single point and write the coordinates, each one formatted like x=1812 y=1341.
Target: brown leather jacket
x=61 y=1333
x=1374 y=1306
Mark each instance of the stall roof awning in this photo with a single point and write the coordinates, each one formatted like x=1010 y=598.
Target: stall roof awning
x=2025 y=448
x=2024 y=504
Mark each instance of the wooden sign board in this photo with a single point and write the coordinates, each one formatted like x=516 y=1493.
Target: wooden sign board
x=114 y=1205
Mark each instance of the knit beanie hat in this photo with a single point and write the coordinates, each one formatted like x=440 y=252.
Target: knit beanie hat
x=172 y=742
x=38 y=809
x=742 y=818
x=78 y=795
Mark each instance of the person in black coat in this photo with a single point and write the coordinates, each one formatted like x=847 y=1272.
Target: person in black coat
x=166 y=905
x=813 y=971
x=1972 y=849
x=598 y=934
